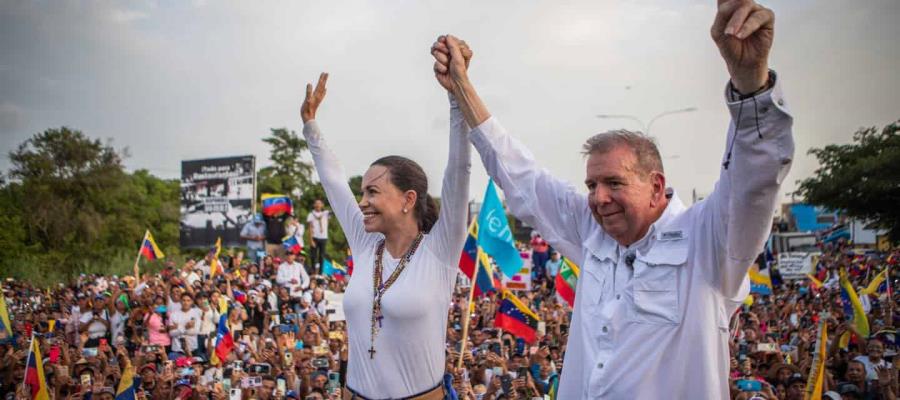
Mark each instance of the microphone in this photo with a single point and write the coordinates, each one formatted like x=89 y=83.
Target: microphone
x=629 y=260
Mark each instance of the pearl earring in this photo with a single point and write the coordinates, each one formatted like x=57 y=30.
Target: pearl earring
x=405 y=211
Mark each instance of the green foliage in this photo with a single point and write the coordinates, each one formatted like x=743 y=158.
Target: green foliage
x=862 y=179
x=70 y=207
x=291 y=175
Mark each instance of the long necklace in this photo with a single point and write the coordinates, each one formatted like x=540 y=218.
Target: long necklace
x=380 y=288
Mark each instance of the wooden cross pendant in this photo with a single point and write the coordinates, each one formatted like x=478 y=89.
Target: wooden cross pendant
x=372 y=352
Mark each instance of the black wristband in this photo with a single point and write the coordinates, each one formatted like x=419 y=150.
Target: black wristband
x=736 y=95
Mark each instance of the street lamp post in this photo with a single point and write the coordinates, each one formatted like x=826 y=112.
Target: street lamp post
x=646 y=127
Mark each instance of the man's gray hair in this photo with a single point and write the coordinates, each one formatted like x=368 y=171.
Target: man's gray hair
x=643 y=146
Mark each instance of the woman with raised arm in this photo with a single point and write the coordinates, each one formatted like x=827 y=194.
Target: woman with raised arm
x=405 y=255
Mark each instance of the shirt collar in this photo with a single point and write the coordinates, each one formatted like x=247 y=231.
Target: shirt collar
x=604 y=247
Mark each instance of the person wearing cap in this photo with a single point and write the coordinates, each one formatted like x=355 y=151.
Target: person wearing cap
x=292 y=274
x=95 y=322
x=254 y=232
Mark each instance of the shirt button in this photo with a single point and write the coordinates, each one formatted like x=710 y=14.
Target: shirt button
x=604 y=329
x=780 y=102
x=599 y=365
x=618 y=296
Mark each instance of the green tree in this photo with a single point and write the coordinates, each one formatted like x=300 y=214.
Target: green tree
x=69 y=207
x=289 y=173
x=862 y=179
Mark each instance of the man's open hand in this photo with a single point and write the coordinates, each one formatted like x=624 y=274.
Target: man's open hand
x=313 y=98
x=743 y=30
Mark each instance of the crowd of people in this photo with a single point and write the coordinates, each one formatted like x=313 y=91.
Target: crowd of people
x=288 y=345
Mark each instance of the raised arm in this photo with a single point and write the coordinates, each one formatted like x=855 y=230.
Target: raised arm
x=450 y=229
x=532 y=194
x=759 y=148
x=331 y=173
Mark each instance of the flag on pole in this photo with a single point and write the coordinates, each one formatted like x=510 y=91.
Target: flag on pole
x=760 y=282
x=274 y=205
x=224 y=342
x=853 y=309
x=214 y=266
x=816 y=283
x=816 y=379
x=875 y=286
x=126 y=384
x=515 y=317
x=34 y=373
x=333 y=268
x=4 y=316
x=292 y=244
x=494 y=235
x=567 y=281
x=149 y=249
x=472 y=259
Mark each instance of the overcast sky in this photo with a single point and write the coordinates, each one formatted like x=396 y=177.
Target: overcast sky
x=178 y=80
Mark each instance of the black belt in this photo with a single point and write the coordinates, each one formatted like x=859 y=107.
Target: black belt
x=356 y=395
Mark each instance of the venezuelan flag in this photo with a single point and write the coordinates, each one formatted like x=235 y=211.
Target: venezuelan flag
x=276 y=204
x=4 y=316
x=34 y=373
x=516 y=318
x=816 y=283
x=126 y=384
x=291 y=244
x=815 y=382
x=877 y=284
x=149 y=249
x=853 y=309
x=214 y=266
x=760 y=282
x=332 y=268
x=485 y=282
x=567 y=281
x=239 y=296
x=554 y=386
x=224 y=342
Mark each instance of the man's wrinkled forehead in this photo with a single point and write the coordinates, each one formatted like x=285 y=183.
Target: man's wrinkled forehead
x=617 y=163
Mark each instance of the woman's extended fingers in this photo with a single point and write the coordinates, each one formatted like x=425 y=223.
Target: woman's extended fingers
x=320 y=86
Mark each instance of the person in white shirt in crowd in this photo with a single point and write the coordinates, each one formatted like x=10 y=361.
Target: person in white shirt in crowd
x=405 y=254
x=318 y=231
x=189 y=273
x=254 y=232
x=292 y=274
x=552 y=267
x=873 y=358
x=95 y=322
x=118 y=319
x=209 y=323
x=659 y=280
x=184 y=325
x=318 y=301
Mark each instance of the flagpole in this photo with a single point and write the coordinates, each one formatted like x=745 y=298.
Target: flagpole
x=28 y=360
x=465 y=334
x=137 y=272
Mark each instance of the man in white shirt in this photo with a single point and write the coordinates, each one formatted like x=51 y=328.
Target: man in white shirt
x=184 y=325
x=318 y=229
x=292 y=274
x=659 y=280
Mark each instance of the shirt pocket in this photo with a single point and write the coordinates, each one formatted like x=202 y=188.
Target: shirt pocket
x=656 y=283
